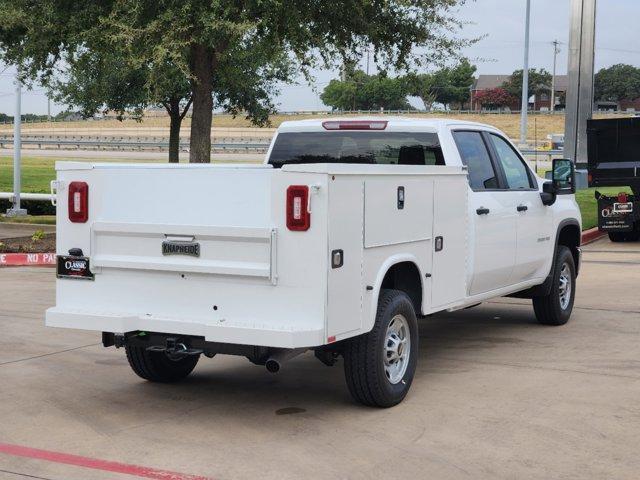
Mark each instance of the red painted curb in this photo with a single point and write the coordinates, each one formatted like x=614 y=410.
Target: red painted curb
x=94 y=463
x=27 y=259
x=591 y=235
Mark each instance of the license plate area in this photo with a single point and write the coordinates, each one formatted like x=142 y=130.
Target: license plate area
x=617 y=216
x=77 y=268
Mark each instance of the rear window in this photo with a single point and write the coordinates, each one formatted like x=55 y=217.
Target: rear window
x=391 y=148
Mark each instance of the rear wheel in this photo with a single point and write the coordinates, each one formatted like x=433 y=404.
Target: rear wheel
x=160 y=366
x=634 y=236
x=617 y=236
x=556 y=308
x=379 y=366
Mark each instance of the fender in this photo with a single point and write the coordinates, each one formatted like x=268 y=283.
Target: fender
x=544 y=288
x=382 y=272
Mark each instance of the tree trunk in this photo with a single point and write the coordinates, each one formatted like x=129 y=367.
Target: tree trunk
x=202 y=65
x=174 y=131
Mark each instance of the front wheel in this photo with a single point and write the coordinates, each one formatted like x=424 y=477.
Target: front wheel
x=379 y=365
x=556 y=308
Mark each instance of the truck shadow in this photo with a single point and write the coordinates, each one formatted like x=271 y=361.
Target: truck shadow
x=231 y=386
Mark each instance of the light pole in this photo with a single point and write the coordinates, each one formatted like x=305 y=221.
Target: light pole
x=525 y=79
x=15 y=210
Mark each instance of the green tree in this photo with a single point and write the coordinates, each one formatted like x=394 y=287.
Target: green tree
x=454 y=84
x=617 y=83
x=201 y=38
x=360 y=91
x=113 y=81
x=449 y=85
x=422 y=85
x=539 y=82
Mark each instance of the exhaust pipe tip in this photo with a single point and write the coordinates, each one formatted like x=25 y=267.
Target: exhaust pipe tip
x=272 y=365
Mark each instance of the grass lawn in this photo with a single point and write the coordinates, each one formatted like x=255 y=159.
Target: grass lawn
x=37 y=172
x=31 y=219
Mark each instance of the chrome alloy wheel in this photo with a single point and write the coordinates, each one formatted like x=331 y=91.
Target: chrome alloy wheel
x=564 y=289
x=397 y=348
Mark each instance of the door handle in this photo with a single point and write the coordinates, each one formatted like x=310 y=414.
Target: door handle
x=482 y=211
x=522 y=208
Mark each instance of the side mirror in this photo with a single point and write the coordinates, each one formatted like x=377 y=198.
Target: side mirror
x=549 y=193
x=563 y=176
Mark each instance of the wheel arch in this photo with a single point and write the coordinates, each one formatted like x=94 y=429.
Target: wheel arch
x=569 y=235
x=399 y=272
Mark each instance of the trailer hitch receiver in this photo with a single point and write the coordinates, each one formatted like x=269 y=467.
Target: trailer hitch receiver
x=175 y=346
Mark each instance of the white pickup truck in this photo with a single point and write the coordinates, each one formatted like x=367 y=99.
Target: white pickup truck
x=348 y=233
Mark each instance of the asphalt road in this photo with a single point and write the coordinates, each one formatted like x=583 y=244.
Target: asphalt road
x=495 y=396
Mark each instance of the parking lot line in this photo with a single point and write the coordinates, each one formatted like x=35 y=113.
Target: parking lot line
x=94 y=463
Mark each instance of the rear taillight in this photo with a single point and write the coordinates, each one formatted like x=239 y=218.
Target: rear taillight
x=78 y=202
x=298 y=216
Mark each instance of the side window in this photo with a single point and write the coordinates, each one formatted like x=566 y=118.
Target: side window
x=515 y=171
x=475 y=156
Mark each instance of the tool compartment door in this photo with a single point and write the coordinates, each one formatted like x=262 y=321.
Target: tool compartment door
x=345 y=295
x=395 y=210
x=450 y=245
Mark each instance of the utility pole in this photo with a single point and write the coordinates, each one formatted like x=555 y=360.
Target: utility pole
x=48 y=108
x=15 y=210
x=580 y=90
x=525 y=79
x=556 y=51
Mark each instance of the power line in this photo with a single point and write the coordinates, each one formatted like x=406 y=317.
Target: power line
x=621 y=50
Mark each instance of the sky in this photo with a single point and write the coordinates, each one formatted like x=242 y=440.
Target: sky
x=501 y=22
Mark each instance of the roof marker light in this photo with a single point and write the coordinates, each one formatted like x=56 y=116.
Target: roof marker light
x=355 y=125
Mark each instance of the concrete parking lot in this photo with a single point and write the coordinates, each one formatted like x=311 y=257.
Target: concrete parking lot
x=495 y=396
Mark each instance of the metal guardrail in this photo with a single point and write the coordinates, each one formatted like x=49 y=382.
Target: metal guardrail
x=120 y=144
x=542 y=153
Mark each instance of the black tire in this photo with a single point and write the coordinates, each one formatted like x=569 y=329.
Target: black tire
x=549 y=310
x=617 y=236
x=158 y=366
x=633 y=236
x=364 y=356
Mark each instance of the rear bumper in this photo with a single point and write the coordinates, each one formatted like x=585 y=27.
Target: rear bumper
x=223 y=331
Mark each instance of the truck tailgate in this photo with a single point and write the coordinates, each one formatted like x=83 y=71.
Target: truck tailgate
x=226 y=286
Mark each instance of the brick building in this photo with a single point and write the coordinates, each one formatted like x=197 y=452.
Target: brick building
x=536 y=102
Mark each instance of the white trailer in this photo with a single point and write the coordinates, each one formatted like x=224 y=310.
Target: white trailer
x=348 y=233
